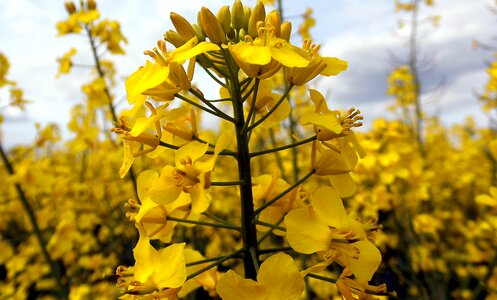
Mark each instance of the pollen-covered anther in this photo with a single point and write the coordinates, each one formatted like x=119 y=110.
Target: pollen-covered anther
x=349 y=235
x=186 y=161
x=329 y=255
x=161 y=44
x=150 y=53
x=354 y=253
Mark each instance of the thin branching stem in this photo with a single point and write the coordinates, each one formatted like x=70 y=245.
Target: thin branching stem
x=231 y=227
x=263 y=118
x=235 y=254
x=276 y=149
x=282 y=194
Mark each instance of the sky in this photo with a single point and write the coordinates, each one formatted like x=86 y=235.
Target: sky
x=362 y=32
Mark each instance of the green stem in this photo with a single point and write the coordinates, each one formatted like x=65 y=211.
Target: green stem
x=199 y=262
x=280 y=195
x=54 y=268
x=252 y=106
x=174 y=147
x=278 y=249
x=231 y=227
x=216 y=218
x=215 y=264
x=269 y=225
x=249 y=232
x=263 y=118
x=268 y=233
x=210 y=105
x=227 y=118
x=327 y=279
x=307 y=140
x=226 y=183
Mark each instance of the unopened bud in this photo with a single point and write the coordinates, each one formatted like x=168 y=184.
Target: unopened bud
x=91 y=4
x=258 y=15
x=248 y=13
x=274 y=19
x=70 y=7
x=174 y=38
x=286 y=30
x=224 y=17
x=211 y=25
x=238 y=15
x=198 y=32
x=183 y=27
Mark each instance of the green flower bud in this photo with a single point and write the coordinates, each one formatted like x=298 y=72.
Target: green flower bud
x=224 y=17
x=238 y=15
x=274 y=19
x=286 y=30
x=258 y=15
x=174 y=38
x=183 y=27
x=212 y=27
x=248 y=12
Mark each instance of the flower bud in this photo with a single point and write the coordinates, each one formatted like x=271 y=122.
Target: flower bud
x=199 y=32
x=274 y=19
x=286 y=31
x=224 y=18
x=211 y=25
x=238 y=15
x=183 y=27
x=174 y=38
x=91 y=4
x=248 y=12
x=258 y=15
x=70 y=7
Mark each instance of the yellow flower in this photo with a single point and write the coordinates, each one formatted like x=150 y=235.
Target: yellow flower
x=265 y=188
x=153 y=74
x=264 y=56
x=153 y=216
x=191 y=175
x=325 y=66
x=140 y=135
x=65 y=62
x=265 y=101
x=278 y=279
x=160 y=272
x=207 y=280
x=326 y=228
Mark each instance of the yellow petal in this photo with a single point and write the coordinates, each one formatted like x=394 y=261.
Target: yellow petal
x=329 y=206
x=344 y=184
x=328 y=121
x=170 y=268
x=189 y=50
x=193 y=150
x=331 y=163
x=166 y=189
x=147 y=77
x=128 y=149
x=200 y=199
x=367 y=263
x=145 y=257
x=278 y=115
x=231 y=286
x=281 y=277
x=257 y=55
x=333 y=66
x=305 y=232
x=287 y=55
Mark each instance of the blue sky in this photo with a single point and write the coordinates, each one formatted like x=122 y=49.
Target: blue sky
x=359 y=31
